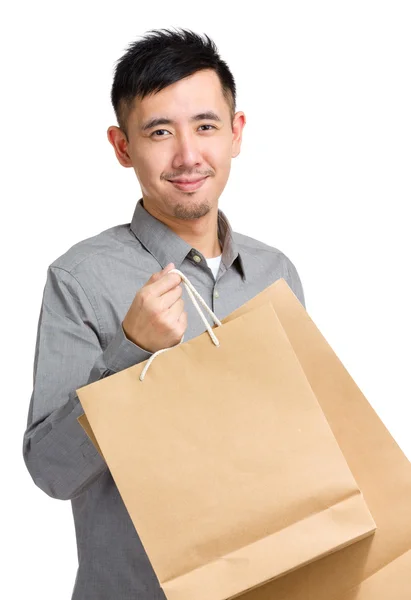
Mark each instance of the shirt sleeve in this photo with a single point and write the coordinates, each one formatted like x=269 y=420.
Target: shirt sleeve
x=294 y=281
x=58 y=453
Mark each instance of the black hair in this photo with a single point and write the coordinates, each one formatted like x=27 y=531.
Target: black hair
x=163 y=57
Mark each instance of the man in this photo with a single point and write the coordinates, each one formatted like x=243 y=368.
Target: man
x=109 y=302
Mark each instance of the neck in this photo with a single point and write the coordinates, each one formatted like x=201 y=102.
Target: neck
x=201 y=234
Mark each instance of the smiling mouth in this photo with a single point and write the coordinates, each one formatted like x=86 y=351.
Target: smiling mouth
x=188 y=185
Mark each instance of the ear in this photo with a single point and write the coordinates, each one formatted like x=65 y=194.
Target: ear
x=239 y=122
x=118 y=140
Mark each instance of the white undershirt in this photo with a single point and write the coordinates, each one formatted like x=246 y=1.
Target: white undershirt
x=214 y=264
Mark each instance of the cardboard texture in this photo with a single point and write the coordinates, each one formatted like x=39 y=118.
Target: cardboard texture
x=224 y=459
x=393 y=582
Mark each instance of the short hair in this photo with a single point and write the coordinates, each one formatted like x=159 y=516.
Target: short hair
x=163 y=57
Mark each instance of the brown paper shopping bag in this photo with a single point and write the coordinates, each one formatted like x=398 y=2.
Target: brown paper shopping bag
x=379 y=466
x=393 y=582
x=225 y=461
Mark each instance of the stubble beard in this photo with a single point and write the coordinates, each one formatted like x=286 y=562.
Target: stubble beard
x=191 y=211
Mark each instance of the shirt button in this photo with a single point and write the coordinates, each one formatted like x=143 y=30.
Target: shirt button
x=216 y=294
x=197 y=258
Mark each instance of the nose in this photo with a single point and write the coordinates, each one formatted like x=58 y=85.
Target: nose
x=187 y=153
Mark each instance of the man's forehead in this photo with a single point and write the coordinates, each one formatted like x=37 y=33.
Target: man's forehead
x=183 y=99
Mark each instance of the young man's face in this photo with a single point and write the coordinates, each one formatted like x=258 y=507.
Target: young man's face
x=182 y=149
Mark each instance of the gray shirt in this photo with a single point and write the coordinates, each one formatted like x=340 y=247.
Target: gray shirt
x=80 y=339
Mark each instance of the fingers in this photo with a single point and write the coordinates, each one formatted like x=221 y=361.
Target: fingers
x=177 y=313
x=159 y=274
x=162 y=282
x=183 y=320
x=156 y=317
x=169 y=298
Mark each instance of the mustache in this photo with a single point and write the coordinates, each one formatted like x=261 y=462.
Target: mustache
x=188 y=175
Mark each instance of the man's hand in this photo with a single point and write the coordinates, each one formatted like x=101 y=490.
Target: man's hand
x=156 y=318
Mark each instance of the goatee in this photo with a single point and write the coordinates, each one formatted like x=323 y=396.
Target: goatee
x=195 y=211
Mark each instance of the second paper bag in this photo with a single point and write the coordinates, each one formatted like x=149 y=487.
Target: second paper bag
x=225 y=461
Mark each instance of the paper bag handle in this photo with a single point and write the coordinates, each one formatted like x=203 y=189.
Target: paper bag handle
x=192 y=292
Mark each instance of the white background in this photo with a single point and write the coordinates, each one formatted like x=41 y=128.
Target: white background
x=323 y=175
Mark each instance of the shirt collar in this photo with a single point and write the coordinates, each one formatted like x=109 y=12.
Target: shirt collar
x=167 y=247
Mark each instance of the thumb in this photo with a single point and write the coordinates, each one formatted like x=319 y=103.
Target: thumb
x=160 y=274
x=167 y=269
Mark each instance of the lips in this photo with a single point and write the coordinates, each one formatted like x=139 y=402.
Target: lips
x=187 y=184
x=186 y=180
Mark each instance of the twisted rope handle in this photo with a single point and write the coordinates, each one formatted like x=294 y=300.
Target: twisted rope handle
x=192 y=292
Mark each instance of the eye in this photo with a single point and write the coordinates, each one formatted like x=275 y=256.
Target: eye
x=156 y=131
x=208 y=126
x=159 y=130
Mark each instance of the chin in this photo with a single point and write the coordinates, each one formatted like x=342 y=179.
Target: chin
x=191 y=210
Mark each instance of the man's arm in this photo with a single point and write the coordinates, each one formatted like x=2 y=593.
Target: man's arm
x=59 y=455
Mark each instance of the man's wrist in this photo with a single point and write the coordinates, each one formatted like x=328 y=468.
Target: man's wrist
x=122 y=353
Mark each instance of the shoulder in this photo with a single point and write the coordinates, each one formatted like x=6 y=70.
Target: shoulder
x=271 y=260
x=95 y=249
x=259 y=250
x=248 y=243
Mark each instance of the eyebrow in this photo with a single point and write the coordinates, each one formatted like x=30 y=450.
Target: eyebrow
x=204 y=116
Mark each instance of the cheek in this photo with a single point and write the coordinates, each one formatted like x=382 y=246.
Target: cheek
x=222 y=158
x=149 y=166
x=218 y=155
